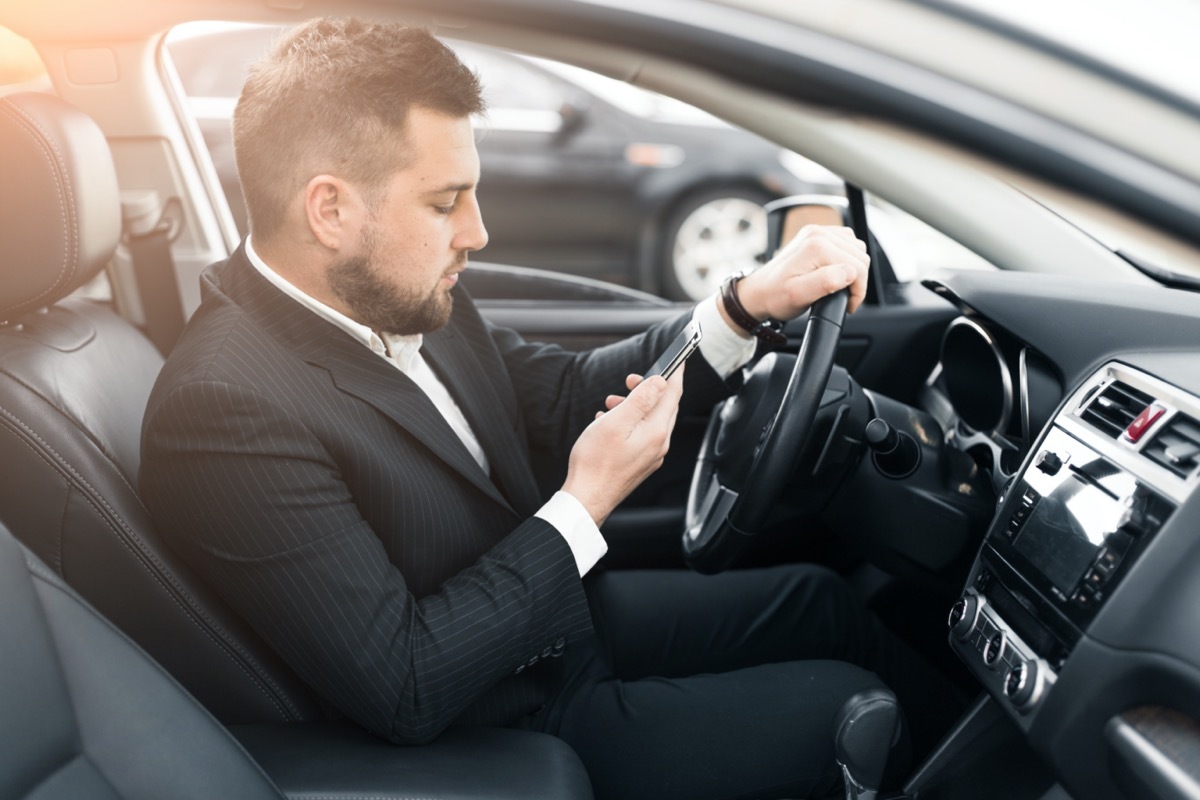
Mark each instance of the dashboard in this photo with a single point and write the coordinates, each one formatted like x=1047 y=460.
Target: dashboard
x=1081 y=611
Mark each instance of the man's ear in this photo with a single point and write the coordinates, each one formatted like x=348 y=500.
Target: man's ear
x=331 y=209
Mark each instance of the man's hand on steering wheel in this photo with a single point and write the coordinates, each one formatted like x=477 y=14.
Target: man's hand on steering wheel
x=818 y=261
x=754 y=441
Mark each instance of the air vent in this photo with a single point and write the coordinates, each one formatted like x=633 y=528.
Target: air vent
x=1115 y=407
x=1177 y=446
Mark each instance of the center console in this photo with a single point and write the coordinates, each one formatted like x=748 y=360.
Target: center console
x=1120 y=456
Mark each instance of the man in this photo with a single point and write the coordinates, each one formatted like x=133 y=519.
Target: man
x=341 y=446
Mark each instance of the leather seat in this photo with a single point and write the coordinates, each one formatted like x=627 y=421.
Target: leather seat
x=84 y=713
x=74 y=380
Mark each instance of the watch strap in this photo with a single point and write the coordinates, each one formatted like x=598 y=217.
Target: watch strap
x=769 y=331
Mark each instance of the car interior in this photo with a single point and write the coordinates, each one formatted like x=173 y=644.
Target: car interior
x=1003 y=460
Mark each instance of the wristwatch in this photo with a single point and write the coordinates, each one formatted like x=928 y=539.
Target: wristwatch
x=769 y=331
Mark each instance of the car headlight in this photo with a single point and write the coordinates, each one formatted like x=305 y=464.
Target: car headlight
x=662 y=156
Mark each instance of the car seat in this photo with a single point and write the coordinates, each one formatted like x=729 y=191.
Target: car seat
x=74 y=380
x=84 y=713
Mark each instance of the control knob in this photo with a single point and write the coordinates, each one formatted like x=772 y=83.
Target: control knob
x=962 y=616
x=1020 y=683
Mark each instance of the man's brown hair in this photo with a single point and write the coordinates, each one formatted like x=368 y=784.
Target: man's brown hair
x=332 y=97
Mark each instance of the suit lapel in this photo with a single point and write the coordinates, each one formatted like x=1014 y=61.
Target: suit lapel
x=358 y=372
x=354 y=369
x=459 y=367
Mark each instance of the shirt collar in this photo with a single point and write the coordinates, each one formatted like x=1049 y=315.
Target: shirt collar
x=401 y=348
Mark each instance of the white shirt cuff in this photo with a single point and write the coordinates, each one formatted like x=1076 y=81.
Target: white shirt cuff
x=568 y=516
x=723 y=349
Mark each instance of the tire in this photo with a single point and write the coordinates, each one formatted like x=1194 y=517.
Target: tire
x=708 y=236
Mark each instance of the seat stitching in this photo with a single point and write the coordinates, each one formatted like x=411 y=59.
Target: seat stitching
x=62 y=526
x=221 y=644
x=163 y=572
x=190 y=611
x=90 y=436
x=71 y=254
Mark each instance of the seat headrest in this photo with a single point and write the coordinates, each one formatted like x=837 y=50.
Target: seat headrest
x=60 y=208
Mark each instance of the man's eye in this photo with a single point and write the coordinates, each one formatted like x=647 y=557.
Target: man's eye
x=444 y=209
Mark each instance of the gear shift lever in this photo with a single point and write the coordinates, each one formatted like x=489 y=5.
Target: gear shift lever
x=863 y=734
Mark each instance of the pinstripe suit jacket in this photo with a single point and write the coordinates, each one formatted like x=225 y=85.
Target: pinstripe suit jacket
x=326 y=499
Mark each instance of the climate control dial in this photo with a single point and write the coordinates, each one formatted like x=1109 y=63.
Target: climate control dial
x=1020 y=684
x=963 y=615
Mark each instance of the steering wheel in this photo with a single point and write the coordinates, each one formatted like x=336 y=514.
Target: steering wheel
x=751 y=448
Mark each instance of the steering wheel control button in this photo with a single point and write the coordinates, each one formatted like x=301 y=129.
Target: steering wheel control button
x=1144 y=422
x=1050 y=462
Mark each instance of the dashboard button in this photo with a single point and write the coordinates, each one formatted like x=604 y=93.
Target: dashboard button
x=994 y=649
x=1144 y=422
x=1108 y=560
x=983 y=580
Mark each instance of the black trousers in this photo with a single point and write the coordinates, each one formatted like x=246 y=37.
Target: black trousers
x=726 y=686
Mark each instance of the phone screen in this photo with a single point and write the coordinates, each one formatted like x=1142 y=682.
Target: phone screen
x=678 y=351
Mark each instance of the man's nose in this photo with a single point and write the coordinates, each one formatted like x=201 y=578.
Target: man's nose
x=473 y=235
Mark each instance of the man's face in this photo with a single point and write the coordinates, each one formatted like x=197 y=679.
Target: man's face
x=411 y=250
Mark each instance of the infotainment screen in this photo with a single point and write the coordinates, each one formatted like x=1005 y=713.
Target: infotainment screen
x=1076 y=519
x=1069 y=524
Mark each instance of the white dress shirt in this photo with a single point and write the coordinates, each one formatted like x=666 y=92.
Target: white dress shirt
x=724 y=350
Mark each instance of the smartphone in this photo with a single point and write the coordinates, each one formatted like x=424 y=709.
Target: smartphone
x=684 y=345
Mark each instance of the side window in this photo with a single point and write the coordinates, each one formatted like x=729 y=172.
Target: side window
x=508 y=83
x=583 y=176
x=916 y=250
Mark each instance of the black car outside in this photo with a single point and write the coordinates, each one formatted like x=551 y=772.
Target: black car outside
x=581 y=174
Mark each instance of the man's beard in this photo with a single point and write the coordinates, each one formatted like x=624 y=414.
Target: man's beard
x=382 y=306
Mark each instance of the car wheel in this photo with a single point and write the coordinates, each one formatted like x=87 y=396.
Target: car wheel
x=709 y=236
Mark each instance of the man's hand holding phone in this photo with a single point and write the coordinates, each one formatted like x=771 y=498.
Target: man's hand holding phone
x=678 y=351
x=624 y=445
